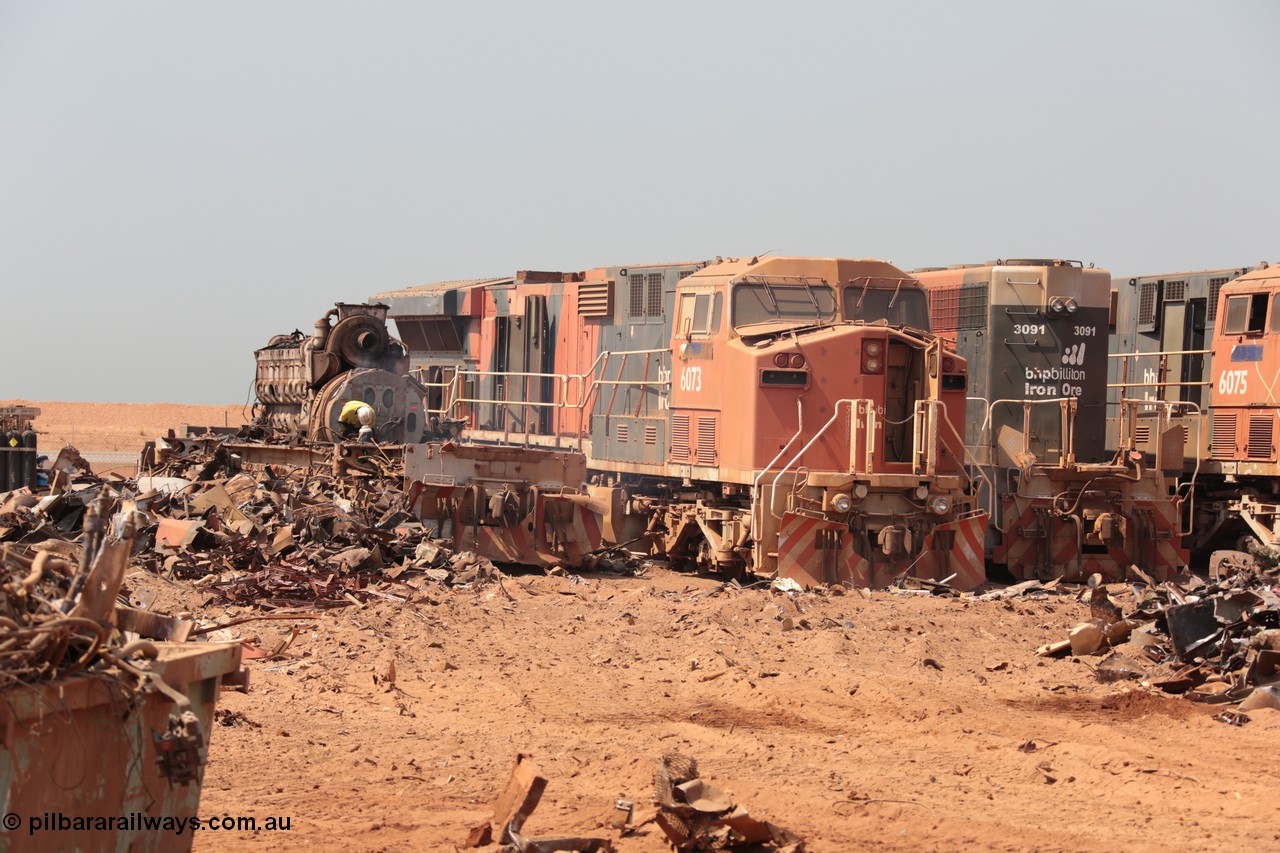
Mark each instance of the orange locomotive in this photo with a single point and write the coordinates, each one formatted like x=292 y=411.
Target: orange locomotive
x=1204 y=343
x=757 y=415
x=1237 y=484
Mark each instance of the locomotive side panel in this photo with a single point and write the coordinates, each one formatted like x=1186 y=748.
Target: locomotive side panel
x=1164 y=324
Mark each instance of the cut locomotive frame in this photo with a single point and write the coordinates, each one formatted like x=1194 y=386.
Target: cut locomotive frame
x=1061 y=504
x=758 y=415
x=508 y=505
x=511 y=505
x=1228 y=390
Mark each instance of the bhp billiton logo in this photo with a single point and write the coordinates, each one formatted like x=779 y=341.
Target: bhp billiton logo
x=1074 y=355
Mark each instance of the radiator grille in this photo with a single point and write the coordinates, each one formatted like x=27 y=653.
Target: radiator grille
x=973 y=307
x=1215 y=284
x=654 y=307
x=1147 y=305
x=595 y=299
x=1222 y=443
x=679 y=438
x=944 y=308
x=706 y=450
x=1260 y=435
x=637 y=295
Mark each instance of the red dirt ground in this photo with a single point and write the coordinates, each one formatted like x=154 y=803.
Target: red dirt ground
x=890 y=722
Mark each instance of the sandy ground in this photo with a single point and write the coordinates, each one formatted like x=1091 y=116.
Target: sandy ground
x=889 y=722
x=112 y=431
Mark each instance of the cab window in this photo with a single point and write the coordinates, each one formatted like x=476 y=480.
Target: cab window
x=762 y=303
x=700 y=314
x=1246 y=314
x=895 y=306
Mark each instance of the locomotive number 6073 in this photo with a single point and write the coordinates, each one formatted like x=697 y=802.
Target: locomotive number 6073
x=691 y=379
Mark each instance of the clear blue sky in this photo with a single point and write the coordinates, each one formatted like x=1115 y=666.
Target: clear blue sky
x=180 y=181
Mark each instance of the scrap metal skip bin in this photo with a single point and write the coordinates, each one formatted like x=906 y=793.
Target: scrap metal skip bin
x=94 y=746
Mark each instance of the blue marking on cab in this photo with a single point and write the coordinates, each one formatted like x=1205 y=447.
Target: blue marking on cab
x=1246 y=352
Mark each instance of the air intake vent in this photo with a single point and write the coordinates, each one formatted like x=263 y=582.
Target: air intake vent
x=595 y=299
x=1222 y=444
x=1141 y=434
x=1215 y=285
x=679 y=438
x=1260 y=434
x=1148 y=297
x=650 y=435
x=624 y=432
x=1175 y=291
x=706 y=452
x=973 y=307
x=944 y=308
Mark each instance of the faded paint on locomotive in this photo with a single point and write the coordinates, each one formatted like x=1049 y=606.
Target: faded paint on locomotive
x=1035 y=333
x=1244 y=384
x=741 y=412
x=1031 y=330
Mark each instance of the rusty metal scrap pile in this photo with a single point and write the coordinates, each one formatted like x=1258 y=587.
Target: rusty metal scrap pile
x=279 y=539
x=1215 y=641
x=58 y=607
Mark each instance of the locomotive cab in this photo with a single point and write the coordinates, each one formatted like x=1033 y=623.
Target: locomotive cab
x=801 y=381
x=1246 y=360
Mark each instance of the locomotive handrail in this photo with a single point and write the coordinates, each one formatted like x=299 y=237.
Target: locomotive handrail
x=1059 y=400
x=1162 y=352
x=973 y=462
x=755 y=484
x=1127 y=438
x=869 y=405
x=924 y=459
x=1158 y=385
x=586 y=385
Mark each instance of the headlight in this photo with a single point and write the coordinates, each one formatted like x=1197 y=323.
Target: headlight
x=871 y=348
x=861 y=490
x=871 y=365
x=940 y=504
x=842 y=503
x=1057 y=305
x=922 y=492
x=797 y=361
x=1071 y=305
x=781 y=359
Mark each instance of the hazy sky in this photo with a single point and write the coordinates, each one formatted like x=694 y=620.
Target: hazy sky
x=180 y=181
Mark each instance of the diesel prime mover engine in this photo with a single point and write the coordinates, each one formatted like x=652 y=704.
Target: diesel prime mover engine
x=304 y=381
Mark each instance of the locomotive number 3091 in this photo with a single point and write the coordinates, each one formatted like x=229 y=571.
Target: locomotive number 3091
x=691 y=379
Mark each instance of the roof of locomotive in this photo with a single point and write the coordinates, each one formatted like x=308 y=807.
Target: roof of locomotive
x=440 y=286
x=830 y=270
x=1268 y=275
x=1230 y=272
x=1011 y=262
